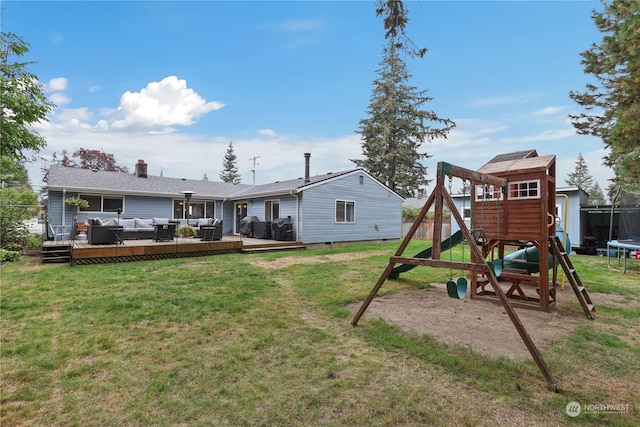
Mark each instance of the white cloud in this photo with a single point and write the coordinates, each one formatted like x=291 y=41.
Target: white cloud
x=546 y=135
x=56 y=84
x=161 y=105
x=266 y=132
x=504 y=100
x=302 y=25
x=59 y=98
x=94 y=89
x=281 y=157
x=547 y=111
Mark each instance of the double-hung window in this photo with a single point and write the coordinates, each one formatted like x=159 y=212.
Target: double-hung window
x=345 y=211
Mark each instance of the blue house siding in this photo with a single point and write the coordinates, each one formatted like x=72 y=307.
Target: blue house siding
x=288 y=205
x=576 y=220
x=378 y=211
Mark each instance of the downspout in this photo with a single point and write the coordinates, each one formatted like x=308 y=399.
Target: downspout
x=64 y=213
x=297 y=214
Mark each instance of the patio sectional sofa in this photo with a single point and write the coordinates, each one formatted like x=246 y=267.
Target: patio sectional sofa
x=108 y=231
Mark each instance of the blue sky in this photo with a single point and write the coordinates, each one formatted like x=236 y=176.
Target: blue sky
x=174 y=82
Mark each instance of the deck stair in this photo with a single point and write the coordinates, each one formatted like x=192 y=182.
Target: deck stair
x=56 y=254
x=572 y=276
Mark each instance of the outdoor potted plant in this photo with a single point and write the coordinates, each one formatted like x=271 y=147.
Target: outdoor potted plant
x=187 y=231
x=77 y=202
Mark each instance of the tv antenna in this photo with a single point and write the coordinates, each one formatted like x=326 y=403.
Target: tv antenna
x=253 y=171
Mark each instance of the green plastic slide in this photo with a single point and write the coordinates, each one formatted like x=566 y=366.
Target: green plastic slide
x=455 y=239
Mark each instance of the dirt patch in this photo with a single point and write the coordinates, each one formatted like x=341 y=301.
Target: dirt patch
x=483 y=326
x=291 y=260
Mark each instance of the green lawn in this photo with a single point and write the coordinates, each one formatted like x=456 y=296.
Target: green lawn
x=217 y=341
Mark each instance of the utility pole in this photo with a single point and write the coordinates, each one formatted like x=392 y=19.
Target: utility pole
x=253 y=171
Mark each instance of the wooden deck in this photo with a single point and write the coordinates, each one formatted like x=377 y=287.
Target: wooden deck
x=80 y=252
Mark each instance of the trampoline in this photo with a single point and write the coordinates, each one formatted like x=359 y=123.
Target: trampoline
x=628 y=229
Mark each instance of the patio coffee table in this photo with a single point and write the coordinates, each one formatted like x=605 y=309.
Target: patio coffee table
x=163 y=232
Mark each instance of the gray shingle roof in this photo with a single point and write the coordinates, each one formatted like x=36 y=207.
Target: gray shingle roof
x=79 y=180
x=75 y=179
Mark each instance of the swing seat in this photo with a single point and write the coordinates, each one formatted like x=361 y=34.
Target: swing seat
x=457 y=289
x=478 y=235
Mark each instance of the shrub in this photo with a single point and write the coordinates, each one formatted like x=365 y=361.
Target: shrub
x=6 y=255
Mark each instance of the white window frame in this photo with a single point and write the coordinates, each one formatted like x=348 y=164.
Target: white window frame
x=488 y=193
x=346 y=203
x=523 y=190
x=102 y=197
x=269 y=210
x=179 y=205
x=466 y=212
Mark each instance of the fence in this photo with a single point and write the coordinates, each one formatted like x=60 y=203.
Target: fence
x=425 y=231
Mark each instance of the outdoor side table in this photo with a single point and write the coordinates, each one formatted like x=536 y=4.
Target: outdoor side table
x=163 y=232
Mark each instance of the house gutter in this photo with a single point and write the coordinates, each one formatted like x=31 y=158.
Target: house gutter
x=297 y=213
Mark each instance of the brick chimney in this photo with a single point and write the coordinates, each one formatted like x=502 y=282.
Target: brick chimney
x=141 y=169
x=306 y=167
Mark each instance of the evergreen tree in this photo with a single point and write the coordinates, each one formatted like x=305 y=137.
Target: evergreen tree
x=580 y=177
x=395 y=20
x=229 y=166
x=614 y=104
x=596 y=196
x=396 y=128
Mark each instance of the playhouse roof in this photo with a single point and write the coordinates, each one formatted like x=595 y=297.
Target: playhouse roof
x=518 y=165
x=516 y=155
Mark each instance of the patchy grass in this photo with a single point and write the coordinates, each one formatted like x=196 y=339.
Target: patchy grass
x=219 y=341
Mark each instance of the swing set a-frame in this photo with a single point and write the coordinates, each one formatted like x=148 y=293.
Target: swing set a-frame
x=481 y=243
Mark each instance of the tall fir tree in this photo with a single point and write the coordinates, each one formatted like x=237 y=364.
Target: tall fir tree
x=580 y=177
x=596 y=196
x=397 y=127
x=229 y=166
x=614 y=102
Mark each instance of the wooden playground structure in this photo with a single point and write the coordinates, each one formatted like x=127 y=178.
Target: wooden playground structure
x=512 y=206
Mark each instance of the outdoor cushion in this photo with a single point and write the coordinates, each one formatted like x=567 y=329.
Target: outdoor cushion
x=204 y=221
x=110 y=221
x=141 y=223
x=97 y=221
x=161 y=221
x=128 y=223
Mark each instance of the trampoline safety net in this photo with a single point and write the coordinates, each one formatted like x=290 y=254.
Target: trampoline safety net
x=629 y=225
